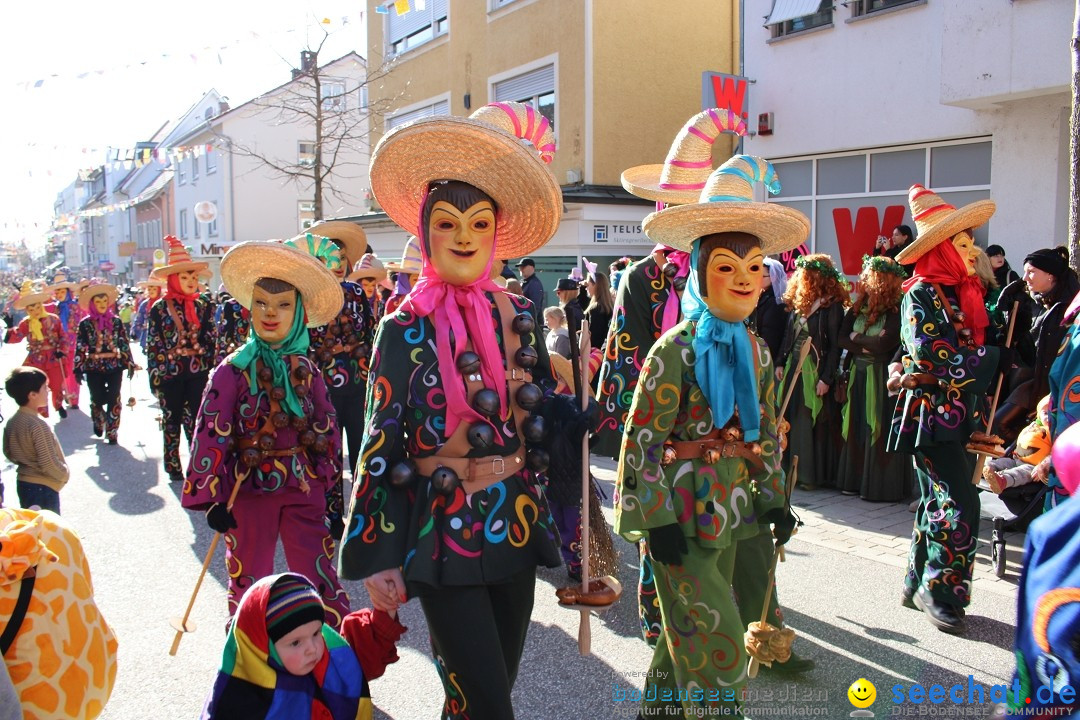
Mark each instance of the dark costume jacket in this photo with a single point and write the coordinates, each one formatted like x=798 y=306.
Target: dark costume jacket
x=102 y=352
x=174 y=350
x=342 y=348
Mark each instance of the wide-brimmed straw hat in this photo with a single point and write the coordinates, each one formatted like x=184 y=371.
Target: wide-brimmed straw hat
x=152 y=282
x=937 y=221
x=726 y=205
x=352 y=237
x=689 y=161
x=179 y=261
x=248 y=261
x=369 y=267
x=412 y=262
x=61 y=282
x=486 y=150
x=31 y=294
x=322 y=248
x=91 y=291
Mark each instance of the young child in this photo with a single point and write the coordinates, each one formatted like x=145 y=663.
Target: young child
x=30 y=443
x=282 y=661
x=1018 y=466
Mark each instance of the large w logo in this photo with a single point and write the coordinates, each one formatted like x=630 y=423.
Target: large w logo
x=857 y=239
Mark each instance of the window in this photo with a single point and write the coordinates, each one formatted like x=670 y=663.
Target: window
x=362 y=92
x=181 y=173
x=793 y=16
x=414 y=28
x=194 y=168
x=196 y=224
x=333 y=96
x=866 y=7
x=211 y=228
x=211 y=162
x=306 y=214
x=140 y=235
x=306 y=154
x=439 y=108
x=183 y=224
x=536 y=88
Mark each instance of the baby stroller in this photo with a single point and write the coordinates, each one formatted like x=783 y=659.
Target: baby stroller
x=1011 y=512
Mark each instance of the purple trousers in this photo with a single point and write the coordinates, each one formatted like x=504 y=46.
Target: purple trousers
x=568 y=520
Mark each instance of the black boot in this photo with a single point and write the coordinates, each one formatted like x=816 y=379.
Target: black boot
x=795 y=665
x=945 y=618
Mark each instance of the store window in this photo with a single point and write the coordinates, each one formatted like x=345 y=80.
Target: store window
x=896 y=170
x=794 y=16
x=441 y=107
x=536 y=88
x=415 y=27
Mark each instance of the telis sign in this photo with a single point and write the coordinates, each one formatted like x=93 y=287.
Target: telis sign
x=727 y=92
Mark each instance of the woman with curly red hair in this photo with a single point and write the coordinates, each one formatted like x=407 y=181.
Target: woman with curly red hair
x=817 y=294
x=871 y=333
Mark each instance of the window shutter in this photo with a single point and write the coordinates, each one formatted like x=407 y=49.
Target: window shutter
x=526 y=85
x=440 y=108
x=402 y=26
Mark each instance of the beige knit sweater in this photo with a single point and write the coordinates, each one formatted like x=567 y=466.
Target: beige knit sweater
x=29 y=442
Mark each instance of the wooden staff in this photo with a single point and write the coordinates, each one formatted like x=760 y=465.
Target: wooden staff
x=581 y=350
x=804 y=351
x=181 y=624
x=980 y=458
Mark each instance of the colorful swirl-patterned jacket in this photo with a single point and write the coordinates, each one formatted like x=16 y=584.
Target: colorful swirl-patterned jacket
x=231 y=414
x=90 y=343
x=163 y=339
x=75 y=314
x=40 y=353
x=454 y=539
x=949 y=411
x=1064 y=381
x=639 y=313
x=716 y=504
x=345 y=374
x=233 y=328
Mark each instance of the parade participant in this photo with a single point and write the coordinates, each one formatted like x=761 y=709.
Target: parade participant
x=233 y=326
x=350 y=239
x=870 y=333
x=647 y=301
x=102 y=353
x=817 y=295
x=370 y=274
x=266 y=422
x=152 y=290
x=282 y=662
x=44 y=341
x=700 y=467
x=342 y=348
x=447 y=505
x=947 y=369
x=180 y=344
x=408 y=272
x=66 y=307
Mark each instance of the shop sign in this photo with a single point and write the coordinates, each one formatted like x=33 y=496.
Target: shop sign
x=727 y=92
x=617 y=234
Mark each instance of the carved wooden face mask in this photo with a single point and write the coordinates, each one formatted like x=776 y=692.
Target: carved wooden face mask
x=272 y=314
x=965 y=245
x=733 y=283
x=461 y=241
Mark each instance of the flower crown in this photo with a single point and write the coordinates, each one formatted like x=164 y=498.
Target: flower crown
x=882 y=264
x=822 y=267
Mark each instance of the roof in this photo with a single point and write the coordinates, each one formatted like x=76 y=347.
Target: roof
x=155 y=188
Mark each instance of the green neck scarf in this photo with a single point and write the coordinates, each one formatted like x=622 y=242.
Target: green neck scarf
x=255 y=349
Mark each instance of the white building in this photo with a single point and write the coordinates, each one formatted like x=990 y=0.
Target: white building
x=866 y=97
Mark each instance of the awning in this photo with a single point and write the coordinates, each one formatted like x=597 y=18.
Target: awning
x=154 y=189
x=784 y=10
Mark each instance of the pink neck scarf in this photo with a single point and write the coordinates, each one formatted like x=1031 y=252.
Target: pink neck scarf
x=465 y=312
x=104 y=321
x=672 y=306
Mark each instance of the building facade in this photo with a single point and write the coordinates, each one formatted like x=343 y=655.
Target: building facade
x=616 y=78
x=856 y=101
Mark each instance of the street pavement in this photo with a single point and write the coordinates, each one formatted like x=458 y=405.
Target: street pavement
x=839 y=588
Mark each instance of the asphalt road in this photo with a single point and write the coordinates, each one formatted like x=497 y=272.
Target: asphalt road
x=145 y=553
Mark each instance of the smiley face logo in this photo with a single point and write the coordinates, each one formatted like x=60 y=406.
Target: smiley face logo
x=862 y=693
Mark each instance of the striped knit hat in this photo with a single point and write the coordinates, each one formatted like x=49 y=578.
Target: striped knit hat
x=293 y=602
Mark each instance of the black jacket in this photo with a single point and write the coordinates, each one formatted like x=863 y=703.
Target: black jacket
x=533 y=289
x=770 y=321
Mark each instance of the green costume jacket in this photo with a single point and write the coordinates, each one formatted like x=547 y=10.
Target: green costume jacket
x=717 y=504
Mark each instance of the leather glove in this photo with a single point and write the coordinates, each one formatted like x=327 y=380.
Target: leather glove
x=590 y=417
x=337 y=528
x=60 y=354
x=1006 y=359
x=220 y=518
x=783 y=522
x=9 y=321
x=1013 y=292
x=667 y=544
x=78 y=377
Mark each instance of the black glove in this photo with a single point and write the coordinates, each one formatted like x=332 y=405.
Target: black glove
x=59 y=354
x=590 y=416
x=337 y=528
x=1013 y=292
x=1006 y=359
x=78 y=377
x=667 y=544
x=8 y=320
x=220 y=518
x=783 y=522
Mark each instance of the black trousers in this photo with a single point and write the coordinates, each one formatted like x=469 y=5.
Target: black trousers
x=105 y=400
x=180 y=398
x=477 y=637
x=350 y=416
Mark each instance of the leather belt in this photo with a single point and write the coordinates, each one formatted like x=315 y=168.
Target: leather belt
x=284 y=452
x=186 y=352
x=695 y=449
x=104 y=356
x=476 y=474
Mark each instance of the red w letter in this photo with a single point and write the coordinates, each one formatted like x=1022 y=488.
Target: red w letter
x=729 y=94
x=858 y=239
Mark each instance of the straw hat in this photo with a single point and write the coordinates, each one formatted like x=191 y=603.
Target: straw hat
x=92 y=290
x=61 y=282
x=726 y=205
x=31 y=294
x=246 y=262
x=322 y=248
x=937 y=220
x=485 y=150
x=179 y=261
x=412 y=262
x=689 y=161
x=369 y=267
x=351 y=236
x=152 y=282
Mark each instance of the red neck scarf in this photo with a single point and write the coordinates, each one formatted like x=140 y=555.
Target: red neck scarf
x=944 y=265
x=174 y=292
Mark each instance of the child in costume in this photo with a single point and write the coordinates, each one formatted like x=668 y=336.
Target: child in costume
x=180 y=344
x=45 y=343
x=447 y=505
x=700 y=467
x=67 y=308
x=102 y=354
x=947 y=370
x=282 y=662
x=266 y=422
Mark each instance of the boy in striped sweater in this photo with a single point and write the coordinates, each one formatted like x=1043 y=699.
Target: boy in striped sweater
x=29 y=442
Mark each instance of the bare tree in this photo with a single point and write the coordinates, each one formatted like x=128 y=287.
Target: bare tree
x=339 y=125
x=1074 y=146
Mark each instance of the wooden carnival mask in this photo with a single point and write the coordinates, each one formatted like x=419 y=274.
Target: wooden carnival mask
x=36 y=311
x=965 y=245
x=189 y=281
x=272 y=313
x=730 y=267
x=101 y=302
x=461 y=242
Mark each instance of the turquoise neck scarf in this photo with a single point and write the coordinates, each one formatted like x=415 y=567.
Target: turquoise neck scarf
x=255 y=349
x=724 y=366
